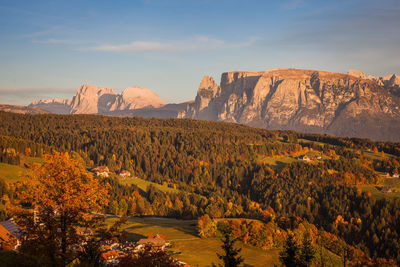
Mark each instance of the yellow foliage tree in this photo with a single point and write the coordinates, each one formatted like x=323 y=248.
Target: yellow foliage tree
x=63 y=195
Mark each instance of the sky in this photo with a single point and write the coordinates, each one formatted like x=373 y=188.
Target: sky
x=49 y=48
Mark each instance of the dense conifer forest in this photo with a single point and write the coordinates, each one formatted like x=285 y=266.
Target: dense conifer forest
x=219 y=170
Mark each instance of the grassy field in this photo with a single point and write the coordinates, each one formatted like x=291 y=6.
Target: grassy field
x=277 y=162
x=11 y=173
x=15 y=173
x=143 y=184
x=376 y=192
x=194 y=250
x=31 y=160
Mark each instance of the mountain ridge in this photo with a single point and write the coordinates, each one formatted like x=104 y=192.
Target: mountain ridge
x=90 y=99
x=352 y=104
x=303 y=100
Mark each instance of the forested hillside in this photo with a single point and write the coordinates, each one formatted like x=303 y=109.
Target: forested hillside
x=227 y=170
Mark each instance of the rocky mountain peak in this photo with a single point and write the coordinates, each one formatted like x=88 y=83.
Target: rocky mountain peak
x=302 y=100
x=395 y=80
x=207 y=82
x=357 y=73
x=208 y=89
x=91 y=90
x=91 y=99
x=138 y=97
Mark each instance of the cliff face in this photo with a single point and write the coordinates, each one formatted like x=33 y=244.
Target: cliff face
x=302 y=100
x=91 y=99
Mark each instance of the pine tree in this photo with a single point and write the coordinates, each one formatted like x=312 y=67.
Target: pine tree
x=307 y=253
x=231 y=257
x=289 y=256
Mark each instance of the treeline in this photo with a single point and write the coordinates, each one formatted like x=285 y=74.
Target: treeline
x=356 y=143
x=132 y=201
x=11 y=148
x=275 y=233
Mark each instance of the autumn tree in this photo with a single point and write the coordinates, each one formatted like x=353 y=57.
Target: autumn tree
x=206 y=226
x=62 y=194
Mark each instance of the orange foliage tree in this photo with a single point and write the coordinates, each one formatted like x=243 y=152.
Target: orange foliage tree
x=62 y=194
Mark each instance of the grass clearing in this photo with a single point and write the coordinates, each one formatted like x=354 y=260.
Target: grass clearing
x=143 y=184
x=377 y=156
x=376 y=192
x=194 y=250
x=31 y=160
x=12 y=173
x=277 y=162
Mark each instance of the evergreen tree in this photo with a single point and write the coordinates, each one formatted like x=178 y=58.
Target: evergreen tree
x=290 y=255
x=231 y=257
x=307 y=253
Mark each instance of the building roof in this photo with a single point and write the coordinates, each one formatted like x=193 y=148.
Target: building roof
x=101 y=169
x=154 y=242
x=157 y=236
x=112 y=254
x=12 y=228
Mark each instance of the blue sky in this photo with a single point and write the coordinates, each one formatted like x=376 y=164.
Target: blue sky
x=49 y=48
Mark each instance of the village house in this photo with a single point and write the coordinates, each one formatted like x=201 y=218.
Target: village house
x=125 y=174
x=112 y=251
x=156 y=242
x=129 y=247
x=112 y=256
x=10 y=235
x=304 y=158
x=101 y=171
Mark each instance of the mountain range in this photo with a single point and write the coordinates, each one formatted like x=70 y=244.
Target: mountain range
x=91 y=99
x=351 y=104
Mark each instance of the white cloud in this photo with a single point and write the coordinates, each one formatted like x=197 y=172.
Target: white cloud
x=199 y=43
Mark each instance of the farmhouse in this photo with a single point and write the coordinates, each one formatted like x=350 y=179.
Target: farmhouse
x=157 y=242
x=101 y=171
x=10 y=235
x=304 y=158
x=112 y=256
x=124 y=173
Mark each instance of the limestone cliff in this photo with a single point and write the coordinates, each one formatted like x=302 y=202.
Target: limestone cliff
x=302 y=100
